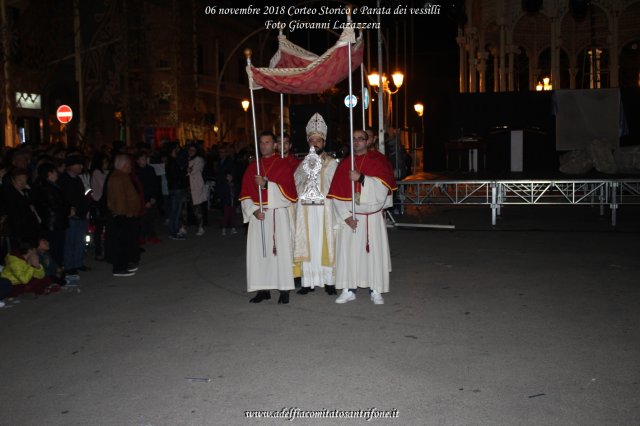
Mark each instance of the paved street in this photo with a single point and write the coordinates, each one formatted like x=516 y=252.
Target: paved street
x=507 y=327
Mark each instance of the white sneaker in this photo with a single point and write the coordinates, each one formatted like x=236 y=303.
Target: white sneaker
x=1 y=304
x=182 y=232
x=376 y=298
x=233 y=231
x=200 y=232
x=224 y=232
x=346 y=296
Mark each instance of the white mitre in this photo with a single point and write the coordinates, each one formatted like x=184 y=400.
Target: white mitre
x=317 y=126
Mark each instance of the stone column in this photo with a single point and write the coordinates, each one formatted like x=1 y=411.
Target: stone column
x=482 y=59
x=473 y=65
x=503 y=74
x=462 y=41
x=496 y=70
x=555 y=52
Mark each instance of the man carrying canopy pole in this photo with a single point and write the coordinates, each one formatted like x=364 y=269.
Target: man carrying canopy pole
x=272 y=270
x=362 y=246
x=266 y=198
x=361 y=190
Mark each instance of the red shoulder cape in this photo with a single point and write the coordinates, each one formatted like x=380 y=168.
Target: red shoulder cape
x=277 y=170
x=369 y=164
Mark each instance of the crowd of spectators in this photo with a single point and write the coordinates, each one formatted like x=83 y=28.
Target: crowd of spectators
x=60 y=204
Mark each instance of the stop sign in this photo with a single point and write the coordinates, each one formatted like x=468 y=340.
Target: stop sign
x=64 y=114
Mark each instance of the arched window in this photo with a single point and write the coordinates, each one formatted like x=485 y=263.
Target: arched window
x=544 y=66
x=521 y=71
x=490 y=70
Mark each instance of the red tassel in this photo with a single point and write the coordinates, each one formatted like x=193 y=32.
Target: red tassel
x=367 y=233
x=275 y=252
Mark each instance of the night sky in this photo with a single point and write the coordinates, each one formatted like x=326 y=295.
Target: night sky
x=430 y=39
x=431 y=71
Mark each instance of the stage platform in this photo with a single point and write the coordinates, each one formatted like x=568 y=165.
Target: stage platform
x=602 y=191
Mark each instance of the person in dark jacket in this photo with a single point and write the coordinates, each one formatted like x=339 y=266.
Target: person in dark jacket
x=23 y=219
x=74 y=191
x=228 y=189
x=177 y=184
x=151 y=190
x=53 y=209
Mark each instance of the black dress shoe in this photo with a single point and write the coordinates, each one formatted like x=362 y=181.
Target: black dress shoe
x=330 y=289
x=305 y=290
x=284 y=297
x=262 y=295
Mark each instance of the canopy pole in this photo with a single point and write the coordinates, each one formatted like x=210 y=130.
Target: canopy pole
x=247 y=53
x=353 y=184
x=281 y=114
x=363 y=85
x=281 y=125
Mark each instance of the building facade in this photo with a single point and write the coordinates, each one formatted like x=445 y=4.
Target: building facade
x=133 y=70
x=578 y=44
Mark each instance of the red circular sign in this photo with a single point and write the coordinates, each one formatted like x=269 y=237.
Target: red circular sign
x=64 y=114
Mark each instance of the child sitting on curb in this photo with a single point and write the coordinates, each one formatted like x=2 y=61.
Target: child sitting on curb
x=23 y=269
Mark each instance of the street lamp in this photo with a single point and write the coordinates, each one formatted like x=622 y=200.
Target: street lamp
x=245 y=106
x=419 y=107
x=374 y=80
x=381 y=83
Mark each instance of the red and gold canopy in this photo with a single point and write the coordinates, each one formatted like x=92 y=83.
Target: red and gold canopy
x=294 y=70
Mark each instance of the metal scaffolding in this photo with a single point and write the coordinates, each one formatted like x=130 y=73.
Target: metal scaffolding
x=498 y=193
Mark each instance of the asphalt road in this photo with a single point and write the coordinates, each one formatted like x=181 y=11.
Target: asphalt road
x=523 y=325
